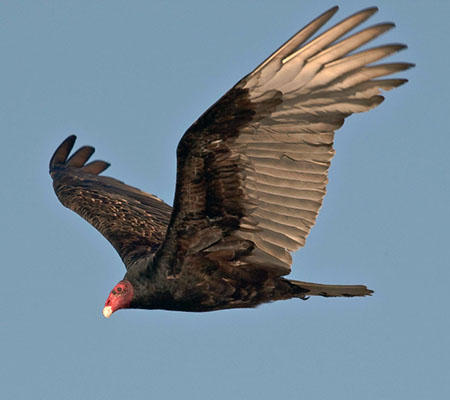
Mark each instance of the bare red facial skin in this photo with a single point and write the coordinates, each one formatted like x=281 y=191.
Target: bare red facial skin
x=120 y=297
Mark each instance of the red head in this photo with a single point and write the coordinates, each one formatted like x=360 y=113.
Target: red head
x=120 y=297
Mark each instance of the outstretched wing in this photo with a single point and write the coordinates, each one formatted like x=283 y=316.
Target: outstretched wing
x=252 y=170
x=133 y=221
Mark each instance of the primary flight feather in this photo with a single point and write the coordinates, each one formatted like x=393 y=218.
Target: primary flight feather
x=251 y=177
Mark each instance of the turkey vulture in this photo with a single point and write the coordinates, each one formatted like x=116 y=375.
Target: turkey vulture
x=251 y=177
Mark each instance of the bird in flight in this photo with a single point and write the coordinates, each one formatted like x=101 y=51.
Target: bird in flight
x=251 y=177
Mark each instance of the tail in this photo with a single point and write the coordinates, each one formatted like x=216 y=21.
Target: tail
x=317 y=289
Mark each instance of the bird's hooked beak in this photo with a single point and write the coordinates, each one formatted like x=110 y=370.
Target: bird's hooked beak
x=107 y=311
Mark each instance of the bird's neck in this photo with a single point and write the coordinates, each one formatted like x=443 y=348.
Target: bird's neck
x=150 y=283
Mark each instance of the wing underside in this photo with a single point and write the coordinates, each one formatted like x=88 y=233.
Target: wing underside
x=252 y=171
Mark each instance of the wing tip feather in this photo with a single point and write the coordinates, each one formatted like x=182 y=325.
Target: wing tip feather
x=328 y=13
x=371 y=10
x=62 y=152
x=96 y=167
x=78 y=159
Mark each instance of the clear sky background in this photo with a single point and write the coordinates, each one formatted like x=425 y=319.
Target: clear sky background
x=129 y=77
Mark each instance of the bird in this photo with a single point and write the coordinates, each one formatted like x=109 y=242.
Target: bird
x=251 y=177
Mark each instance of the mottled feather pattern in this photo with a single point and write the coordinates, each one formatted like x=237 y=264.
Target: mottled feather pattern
x=133 y=221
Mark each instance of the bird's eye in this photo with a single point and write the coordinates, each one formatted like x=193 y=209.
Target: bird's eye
x=119 y=289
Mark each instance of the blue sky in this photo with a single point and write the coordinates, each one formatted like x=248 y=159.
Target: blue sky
x=129 y=78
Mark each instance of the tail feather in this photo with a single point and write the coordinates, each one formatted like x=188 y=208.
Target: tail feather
x=317 y=289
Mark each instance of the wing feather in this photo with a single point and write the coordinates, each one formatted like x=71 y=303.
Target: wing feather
x=95 y=167
x=133 y=221
x=254 y=167
x=79 y=158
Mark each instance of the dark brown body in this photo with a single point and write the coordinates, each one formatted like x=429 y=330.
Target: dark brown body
x=209 y=289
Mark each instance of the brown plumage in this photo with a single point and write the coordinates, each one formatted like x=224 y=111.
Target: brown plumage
x=133 y=221
x=251 y=177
